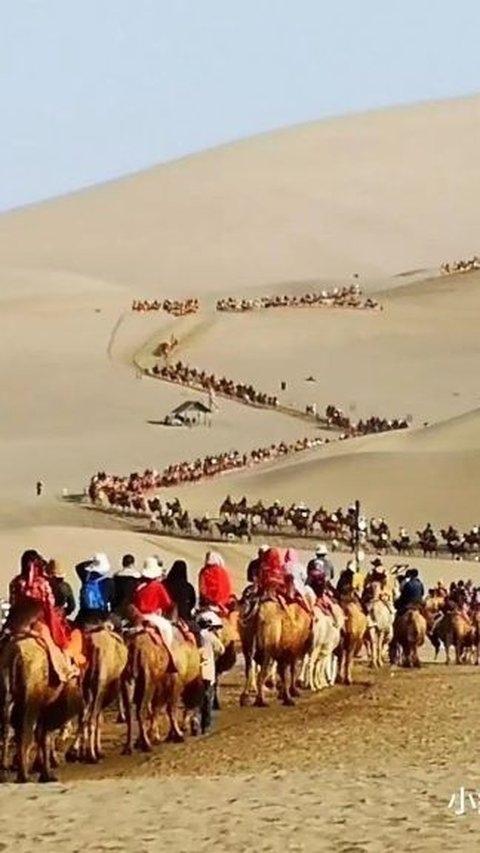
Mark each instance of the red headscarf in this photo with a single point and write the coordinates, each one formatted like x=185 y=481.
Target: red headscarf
x=272 y=571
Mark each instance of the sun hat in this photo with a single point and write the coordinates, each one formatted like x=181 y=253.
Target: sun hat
x=321 y=550
x=152 y=569
x=100 y=564
x=209 y=619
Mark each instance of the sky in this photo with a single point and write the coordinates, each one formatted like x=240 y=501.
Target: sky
x=94 y=89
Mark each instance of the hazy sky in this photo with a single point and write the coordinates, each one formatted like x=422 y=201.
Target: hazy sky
x=92 y=89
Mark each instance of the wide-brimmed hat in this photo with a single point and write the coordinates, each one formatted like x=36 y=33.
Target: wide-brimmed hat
x=209 y=619
x=213 y=558
x=152 y=569
x=377 y=561
x=321 y=550
x=100 y=564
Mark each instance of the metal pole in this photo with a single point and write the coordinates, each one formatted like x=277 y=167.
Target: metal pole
x=356 y=535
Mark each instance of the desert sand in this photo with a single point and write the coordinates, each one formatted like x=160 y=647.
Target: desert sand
x=389 y=196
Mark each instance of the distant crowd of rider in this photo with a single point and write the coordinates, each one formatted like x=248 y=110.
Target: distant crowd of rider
x=467 y=265
x=175 y=307
x=192 y=377
x=338 y=297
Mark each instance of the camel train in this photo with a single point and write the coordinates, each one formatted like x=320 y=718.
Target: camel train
x=297 y=631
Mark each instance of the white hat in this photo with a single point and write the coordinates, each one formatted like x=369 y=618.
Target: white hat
x=213 y=558
x=210 y=618
x=151 y=569
x=100 y=564
x=321 y=550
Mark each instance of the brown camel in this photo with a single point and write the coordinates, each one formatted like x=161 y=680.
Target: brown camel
x=352 y=638
x=157 y=679
x=409 y=632
x=453 y=629
x=34 y=703
x=275 y=633
x=107 y=656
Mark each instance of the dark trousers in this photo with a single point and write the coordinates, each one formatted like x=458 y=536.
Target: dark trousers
x=207 y=706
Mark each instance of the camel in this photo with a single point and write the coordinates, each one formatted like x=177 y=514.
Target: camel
x=158 y=679
x=107 y=656
x=380 y=624
x=409 y=631
x=229 y=638
x=274 y=633
x=34 y=703
x=319 y=667
x=352 y=639
x=453 y=629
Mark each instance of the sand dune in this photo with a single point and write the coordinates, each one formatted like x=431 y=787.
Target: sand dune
x=376 y=193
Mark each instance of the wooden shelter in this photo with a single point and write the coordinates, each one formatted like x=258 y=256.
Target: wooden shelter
x=190 y=413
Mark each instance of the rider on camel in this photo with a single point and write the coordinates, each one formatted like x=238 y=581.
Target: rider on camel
x=32 y=585
x=412 y=592
x=152 y=601
x=324 y=600
x=272 y=579
x=215 y=584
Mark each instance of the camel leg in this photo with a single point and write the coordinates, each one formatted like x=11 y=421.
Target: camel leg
x=93 y=724
x=284 y=675
x=98 y=737
x=262 y=675
x=143 y=701
x=4 y=739
x=127 y=707
x=447 y=649
x=294 y=691
x=304 y=671
x=24 y=738
x=249 y=676
x=175 y=734
x=121 y=716
x=44 y=741
x=458 y=651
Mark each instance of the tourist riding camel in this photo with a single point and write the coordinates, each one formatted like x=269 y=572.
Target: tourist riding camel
x=152 y=600
x=62 y=591
x=322 y=562
x=181 y=592
x=296 y=570
x=272 y=581
x=214 y=583
x=412 y=593
x=125 y=582
x=253 y=568
x=97 y=591
x=49 y=623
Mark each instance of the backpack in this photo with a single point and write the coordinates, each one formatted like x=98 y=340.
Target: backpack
x=92 y=595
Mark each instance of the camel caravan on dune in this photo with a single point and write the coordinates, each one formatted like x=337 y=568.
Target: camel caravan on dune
x=338 y=297
x=143 y=641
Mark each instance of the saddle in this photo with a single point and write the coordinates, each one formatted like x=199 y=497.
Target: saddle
x=157 y=637
x=61 y=668
x=185 y=631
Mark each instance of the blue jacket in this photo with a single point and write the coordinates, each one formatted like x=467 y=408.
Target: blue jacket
x=412 y=593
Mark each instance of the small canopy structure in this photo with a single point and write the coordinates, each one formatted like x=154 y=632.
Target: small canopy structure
x=190 y=413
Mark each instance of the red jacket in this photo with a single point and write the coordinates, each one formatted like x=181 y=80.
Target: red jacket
x=215 y=585
x=35 y=586
x=152 y=597
x=272 y=575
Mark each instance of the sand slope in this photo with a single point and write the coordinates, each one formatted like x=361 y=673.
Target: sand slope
x=376 y=193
